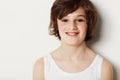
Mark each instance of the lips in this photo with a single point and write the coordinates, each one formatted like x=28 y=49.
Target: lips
x=72 y=33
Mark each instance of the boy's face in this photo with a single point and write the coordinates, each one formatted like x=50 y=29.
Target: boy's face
x=72 y=28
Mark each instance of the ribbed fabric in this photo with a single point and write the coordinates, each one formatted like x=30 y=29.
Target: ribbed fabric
x=53 y=72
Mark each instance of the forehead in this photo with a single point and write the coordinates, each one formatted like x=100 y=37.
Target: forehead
x=80 y=12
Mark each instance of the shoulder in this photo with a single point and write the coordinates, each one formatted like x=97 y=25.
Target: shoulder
x=38 y=69
x=107 y=70
x=39 y=63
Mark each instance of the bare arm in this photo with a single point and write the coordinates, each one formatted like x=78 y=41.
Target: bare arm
x=38 y=70
x=107 y=71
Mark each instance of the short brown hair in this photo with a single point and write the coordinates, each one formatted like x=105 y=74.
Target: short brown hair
x=62 y=8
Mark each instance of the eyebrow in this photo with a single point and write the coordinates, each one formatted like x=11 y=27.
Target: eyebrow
x=81 y=16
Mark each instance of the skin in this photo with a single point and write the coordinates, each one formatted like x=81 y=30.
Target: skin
x=73 y=55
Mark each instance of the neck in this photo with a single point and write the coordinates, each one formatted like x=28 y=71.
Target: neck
x=68 y=51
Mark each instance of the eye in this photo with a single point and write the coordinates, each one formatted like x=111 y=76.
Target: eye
x=64 y=20
x=80 y=20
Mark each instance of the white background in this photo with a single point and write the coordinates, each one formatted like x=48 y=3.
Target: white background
x=24 y=35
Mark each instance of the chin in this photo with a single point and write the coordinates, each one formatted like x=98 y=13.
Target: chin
x=74 y=43
x=72 y=40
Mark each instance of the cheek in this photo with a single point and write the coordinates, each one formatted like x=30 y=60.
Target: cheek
x=61 y=27
x=83 y=27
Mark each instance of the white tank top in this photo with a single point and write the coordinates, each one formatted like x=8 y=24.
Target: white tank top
x=53 y=72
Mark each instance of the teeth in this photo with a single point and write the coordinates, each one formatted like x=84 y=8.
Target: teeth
x=72 y=33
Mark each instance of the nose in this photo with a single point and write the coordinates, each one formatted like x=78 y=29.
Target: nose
x=73 y=26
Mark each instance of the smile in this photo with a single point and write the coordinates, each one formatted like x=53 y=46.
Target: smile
x=72 y=33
